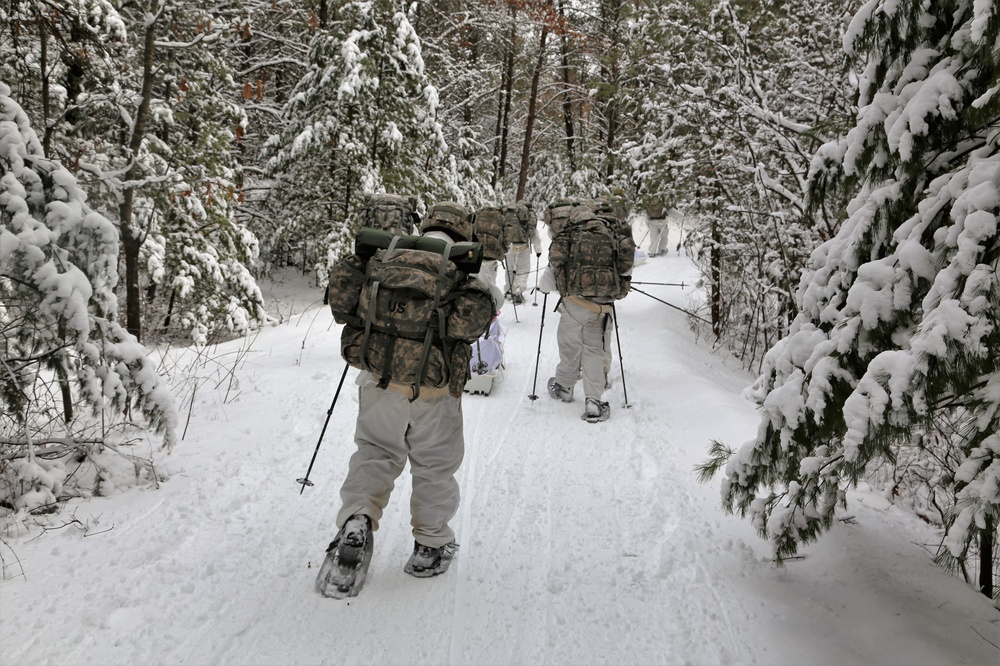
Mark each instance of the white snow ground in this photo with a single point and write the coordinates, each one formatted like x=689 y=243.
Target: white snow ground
x=580 y=543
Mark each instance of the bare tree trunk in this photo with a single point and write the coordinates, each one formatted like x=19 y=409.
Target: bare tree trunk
x=611 y=19
x=132 y=238
x=715 y=264
x=567 y=104
x=473 y=39
x=508 y=92
x=529 y=126
x=43 y=38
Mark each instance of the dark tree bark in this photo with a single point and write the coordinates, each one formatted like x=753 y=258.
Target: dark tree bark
x=529 y=126
x=132 y=237
x=715 y=262
x=986 y=540
x=500 y=170
x=567 y=105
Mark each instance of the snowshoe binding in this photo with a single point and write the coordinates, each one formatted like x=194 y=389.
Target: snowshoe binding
x=426 y=561
x=596 y=411
x=345 y=568
x=559 y=392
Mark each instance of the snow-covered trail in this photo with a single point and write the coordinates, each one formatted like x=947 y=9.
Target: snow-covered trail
x=580 y=543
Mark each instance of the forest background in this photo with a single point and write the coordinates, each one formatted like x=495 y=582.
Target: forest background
x=836 y=162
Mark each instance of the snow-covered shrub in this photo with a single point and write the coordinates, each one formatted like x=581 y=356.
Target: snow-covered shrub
x=68 y=372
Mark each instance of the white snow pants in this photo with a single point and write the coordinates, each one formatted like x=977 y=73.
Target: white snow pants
x=583 y=344
x=391 y=429
x=658 y=237
x=518 y=268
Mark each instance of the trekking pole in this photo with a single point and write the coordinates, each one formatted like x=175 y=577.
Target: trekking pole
x=510 y=289
x=665 y=284
x=534 y=382
x=538 y=269
x=687 y=312
x=621 y=363
x=305 y=480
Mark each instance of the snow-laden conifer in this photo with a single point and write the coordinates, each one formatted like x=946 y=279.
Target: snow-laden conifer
x=60 y=346
x=899 y=323
x=362 y=119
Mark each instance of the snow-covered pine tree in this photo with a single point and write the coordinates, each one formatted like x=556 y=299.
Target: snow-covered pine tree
x=60 y=348
x=899 y=320
x=153 y=142
x=362 y=119
x=463 y=62
x=194 y=257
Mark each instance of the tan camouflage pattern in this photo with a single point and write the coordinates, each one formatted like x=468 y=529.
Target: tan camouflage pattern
x=517 y=220
x=557 y=214
x=450 y=216
x=488 y=228
x=471 y=312
x=409 y=300
x=389 y=212
x=347 y=278
x=591 y=256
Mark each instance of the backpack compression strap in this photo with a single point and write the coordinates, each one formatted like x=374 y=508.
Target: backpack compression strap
x=437 y=322
x=383 y=381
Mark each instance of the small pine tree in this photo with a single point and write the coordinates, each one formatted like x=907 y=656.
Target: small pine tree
x=60 y=348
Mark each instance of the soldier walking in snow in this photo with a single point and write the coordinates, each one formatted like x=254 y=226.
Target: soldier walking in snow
x=656 y=214
x=410 y=311
x=521 y=232
x=590 y=261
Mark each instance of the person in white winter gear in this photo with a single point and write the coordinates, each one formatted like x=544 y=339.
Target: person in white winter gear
x=395 y=427
x=657 y=219
x=524 y=240
x=585 y=308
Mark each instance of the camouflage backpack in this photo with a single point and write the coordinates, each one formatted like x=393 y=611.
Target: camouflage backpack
x=557 y=214
x=592 y=255
x=409 y=311
x=517 y=223
x=388 y=212
x=655 y=210
x=488 y=229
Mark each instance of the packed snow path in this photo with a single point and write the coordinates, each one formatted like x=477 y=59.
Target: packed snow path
x=580 y=543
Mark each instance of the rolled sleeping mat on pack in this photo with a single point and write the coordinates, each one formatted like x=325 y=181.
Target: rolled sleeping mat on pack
x=468 y=257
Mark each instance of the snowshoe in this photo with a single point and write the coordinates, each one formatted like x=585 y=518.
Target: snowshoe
x=596 y=411
x=559 y=392
x=426 y=561
x=345 y=568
